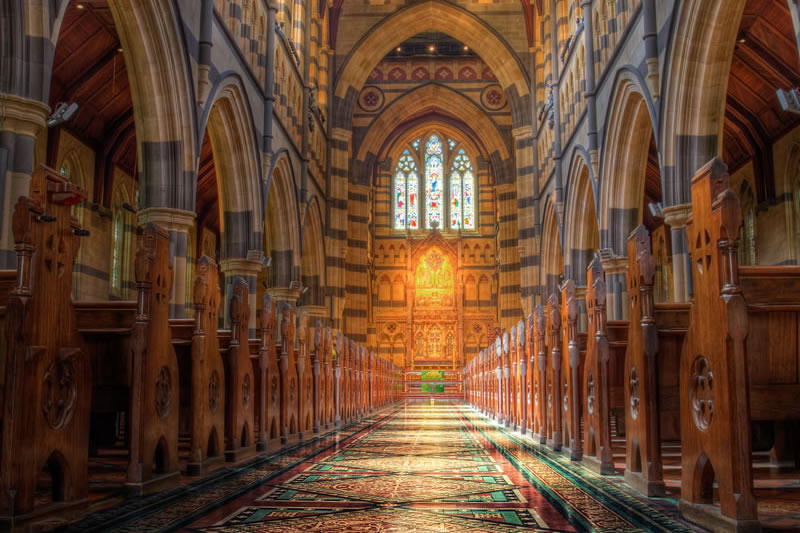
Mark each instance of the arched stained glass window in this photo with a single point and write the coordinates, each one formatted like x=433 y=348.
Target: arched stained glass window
x=447 y=194
x=433 y=182
x=462 y=190
x=406 y=197
x=116 y=252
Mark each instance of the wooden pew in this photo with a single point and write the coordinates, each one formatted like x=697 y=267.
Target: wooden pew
x=338 y=374
x=240 y=381
x=571 y=376
x=530 y=348
x=155 y=380
x=269 y=377
x=318 y=377
x=328 y=390
x=597 y=454
x=497 y=367
x=305 y=407
x=644 y=465
x=553 y=374
x=524 y=383
x=715 y=410
x=540 y=376
x=288 y=376
x=514 y=417
x=46 y=405
x=208 y=374
x=506 y=408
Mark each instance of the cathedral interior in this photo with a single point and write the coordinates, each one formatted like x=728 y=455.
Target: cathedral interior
x=399 y=265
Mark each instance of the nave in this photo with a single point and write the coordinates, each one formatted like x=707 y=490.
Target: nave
x=416 y=466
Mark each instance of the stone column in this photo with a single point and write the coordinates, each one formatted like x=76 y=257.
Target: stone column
x=676 y=217
x=247 y=269
x=339 y=164
x=591 y=106
x=179 y=224
x=616 y=268
x=527 y=245
x=21 y=120
x=288 y=295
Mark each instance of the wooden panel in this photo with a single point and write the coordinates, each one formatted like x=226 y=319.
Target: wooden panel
x=47 y=395
x=772 y=347
x=105 y=317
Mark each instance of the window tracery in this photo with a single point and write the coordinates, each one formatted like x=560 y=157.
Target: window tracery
x=446 y=195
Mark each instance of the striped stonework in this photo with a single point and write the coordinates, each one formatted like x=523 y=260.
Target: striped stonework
x=509 y=276
x=526 y=215
x=336 y=231
x=356 y=264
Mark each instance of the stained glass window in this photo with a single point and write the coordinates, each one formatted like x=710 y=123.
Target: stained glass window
x=116 y=252
x=406 y=204
x=462 y=191
x=433 y=182
x=445 y=194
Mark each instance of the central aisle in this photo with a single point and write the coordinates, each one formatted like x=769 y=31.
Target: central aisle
x=412 y=468
x=423 y=469
x=432 y=468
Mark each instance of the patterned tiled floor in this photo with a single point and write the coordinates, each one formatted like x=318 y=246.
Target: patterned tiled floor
x=418 y=468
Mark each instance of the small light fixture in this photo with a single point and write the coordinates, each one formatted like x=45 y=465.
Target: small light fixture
x=119 y=49
x=79 y=6
x=742 y=40
x=466 y=48
x=398 y=49
x=431 y=48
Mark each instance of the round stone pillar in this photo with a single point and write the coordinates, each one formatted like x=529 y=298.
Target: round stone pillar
x=677 y=217
x=248 y=270
x=179 y=225
x=617 y=287
x=21 y=120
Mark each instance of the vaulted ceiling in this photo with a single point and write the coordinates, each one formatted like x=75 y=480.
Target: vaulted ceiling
x=765 y=59
x=89 y=68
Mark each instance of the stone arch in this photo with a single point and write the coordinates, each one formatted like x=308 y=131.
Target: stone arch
x=695 y=81
x=431 y=15
x=282 y=223
x=163 y=101
x=624 y=161
x=433 y=96
x=312 y=267
x=552 y=256
x=231 y=131
x=581 y=232
x=159 y=77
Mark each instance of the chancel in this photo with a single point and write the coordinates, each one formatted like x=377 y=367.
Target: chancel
x=389 y=265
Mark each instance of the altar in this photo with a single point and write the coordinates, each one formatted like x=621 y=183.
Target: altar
x=443 y=322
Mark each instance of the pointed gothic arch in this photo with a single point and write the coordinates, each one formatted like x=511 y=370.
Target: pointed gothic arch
x=624 y=162
x=230 y=129
x=431 y=15
x=581 y=232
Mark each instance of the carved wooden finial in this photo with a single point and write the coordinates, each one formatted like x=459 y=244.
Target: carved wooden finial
x=521 y=333
x=267 y=317
x=644 y=255
x=572 y=300
x=540 y=319
x=555 y=311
